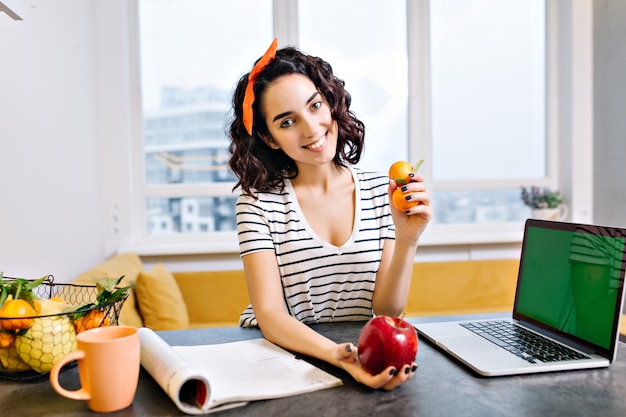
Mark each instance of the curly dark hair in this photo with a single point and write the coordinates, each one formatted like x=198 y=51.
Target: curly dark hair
x=259 y=167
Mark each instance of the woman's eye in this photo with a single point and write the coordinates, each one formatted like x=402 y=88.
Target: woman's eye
x=316 y=105
x=286 y=123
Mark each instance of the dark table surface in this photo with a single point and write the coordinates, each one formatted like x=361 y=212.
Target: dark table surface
x=441 y=387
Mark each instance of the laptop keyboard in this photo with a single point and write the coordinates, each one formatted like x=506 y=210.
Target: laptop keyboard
x=529 y=346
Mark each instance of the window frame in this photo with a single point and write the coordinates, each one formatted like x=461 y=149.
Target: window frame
x=569 y=122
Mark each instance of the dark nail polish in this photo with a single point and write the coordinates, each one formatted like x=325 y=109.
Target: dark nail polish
x=393 y=372
x=403 y=188
x=411 y=175
x=407 y=211
x=414 y=368
x=407 y=198
x=348 y=348
x=407 y=370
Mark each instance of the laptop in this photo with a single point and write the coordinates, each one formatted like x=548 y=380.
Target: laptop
x=570 y=290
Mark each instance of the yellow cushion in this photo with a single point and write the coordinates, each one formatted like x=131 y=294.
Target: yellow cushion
x=214 y=298
x=127 y=264
x=160 y=301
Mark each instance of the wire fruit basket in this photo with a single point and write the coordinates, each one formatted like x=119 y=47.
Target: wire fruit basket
x=30 y=349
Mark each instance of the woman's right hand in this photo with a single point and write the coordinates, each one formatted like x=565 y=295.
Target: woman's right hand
x=347 y=357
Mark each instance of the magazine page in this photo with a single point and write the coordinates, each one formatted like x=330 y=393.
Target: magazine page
x=207 y=378
x=185 y=386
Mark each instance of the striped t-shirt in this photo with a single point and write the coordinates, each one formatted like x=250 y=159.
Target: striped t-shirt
x=321 y=282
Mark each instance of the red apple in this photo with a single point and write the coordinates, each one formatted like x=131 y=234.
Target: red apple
x=387 y=341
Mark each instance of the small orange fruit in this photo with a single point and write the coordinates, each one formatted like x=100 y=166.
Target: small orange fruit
x=400 y=202
x=399 y=171
x=92 y=319
x=17 y=315
x=7 y=338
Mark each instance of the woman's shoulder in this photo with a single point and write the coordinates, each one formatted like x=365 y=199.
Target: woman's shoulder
x=256 y=195
x=263 y=200
x=370 y=179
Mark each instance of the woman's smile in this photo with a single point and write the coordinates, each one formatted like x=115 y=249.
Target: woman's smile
x=318 y=144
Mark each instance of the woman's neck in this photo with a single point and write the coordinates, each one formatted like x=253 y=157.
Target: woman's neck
x=321 y=178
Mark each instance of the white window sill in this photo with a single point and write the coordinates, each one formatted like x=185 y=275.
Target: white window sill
x=438 y=244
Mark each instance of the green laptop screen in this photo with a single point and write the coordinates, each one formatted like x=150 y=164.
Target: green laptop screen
x=571 y=280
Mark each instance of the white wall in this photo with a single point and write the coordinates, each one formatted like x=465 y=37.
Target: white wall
x=609 y=120
x=50 y=198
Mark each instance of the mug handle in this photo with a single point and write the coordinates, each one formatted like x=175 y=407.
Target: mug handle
x=79 y=394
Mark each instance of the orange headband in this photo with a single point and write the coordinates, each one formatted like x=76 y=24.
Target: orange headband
x=248 y=97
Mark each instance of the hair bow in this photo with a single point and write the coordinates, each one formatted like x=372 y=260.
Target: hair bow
x=248 y=97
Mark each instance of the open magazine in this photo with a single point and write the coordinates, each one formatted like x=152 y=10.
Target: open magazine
x=208 y=378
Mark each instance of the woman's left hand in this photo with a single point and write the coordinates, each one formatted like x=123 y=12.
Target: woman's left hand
x=347 y=356
x=411 y=223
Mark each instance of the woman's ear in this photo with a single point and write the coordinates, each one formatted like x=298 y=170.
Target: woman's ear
x=269 y=141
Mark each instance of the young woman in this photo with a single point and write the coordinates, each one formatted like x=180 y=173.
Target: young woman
x=318 y=238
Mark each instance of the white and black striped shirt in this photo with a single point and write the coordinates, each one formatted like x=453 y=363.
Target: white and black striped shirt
x=321 y=282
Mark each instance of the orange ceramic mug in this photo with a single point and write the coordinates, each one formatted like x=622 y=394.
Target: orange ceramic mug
x=108 y=368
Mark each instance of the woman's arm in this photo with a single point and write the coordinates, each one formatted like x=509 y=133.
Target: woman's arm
x=393 y=279
x=279 y=327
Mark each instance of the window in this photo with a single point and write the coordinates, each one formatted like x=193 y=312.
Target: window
x=488 y=107
x=186 y=83
x=459 y=83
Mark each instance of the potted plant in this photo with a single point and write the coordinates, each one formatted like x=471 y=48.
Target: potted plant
x=545 y=203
